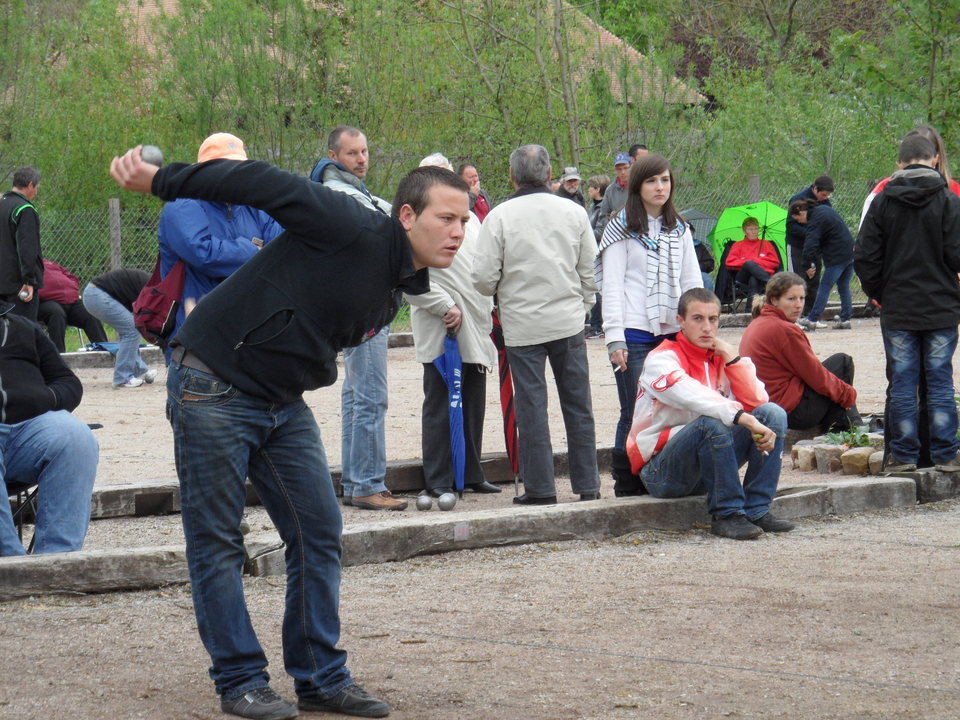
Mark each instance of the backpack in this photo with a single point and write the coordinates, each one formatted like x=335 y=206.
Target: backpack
x=155 y=309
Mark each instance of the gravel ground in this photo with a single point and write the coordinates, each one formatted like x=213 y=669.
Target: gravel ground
x=850 y=618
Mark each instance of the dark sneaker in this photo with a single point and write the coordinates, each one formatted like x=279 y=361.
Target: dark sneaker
x=842 y=325
x=590 y=496
x=260 y=704
x=951 y=465
x=771 y=523
x=528 y=500
x=895 y=464
x=735 y=527
x=352 y=700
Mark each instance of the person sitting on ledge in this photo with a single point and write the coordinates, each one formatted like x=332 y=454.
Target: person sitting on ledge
x=813 y=394
x=701 y=413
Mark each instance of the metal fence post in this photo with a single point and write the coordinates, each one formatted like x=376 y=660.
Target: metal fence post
x=114 y=212
x=754 y=191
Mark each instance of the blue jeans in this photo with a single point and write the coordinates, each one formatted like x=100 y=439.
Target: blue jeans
x=363 y=409
x=568 y=360
x=705 y=457
x=106 y=309
x=906 y=350
x=627 y=389
x=840 y=276
x=58 y=453
x=221 y=437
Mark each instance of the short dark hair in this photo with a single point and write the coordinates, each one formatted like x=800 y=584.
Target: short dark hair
x=798 y=206
x=461 y=169
x=333 y=139
x=636 y=213
x=697 y=294
x=22 y=177
x=915 y=147
x=824 y=182
x=414 y=189
x=633 y=149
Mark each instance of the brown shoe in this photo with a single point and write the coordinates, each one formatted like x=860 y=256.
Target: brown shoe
x=383 y=500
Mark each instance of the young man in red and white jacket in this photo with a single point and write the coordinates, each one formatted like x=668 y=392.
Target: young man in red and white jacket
x=701 y=413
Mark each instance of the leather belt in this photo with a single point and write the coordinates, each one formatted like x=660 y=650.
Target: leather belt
x=182 y=356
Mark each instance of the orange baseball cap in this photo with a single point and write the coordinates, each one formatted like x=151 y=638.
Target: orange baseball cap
x=221 y=145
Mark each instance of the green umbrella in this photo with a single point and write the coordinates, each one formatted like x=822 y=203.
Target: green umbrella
x=773 y=226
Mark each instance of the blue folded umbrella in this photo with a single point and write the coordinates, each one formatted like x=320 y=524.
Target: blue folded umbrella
x=450 y=366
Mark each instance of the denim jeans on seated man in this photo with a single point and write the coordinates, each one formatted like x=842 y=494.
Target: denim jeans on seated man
x=363 y=402
x=222 y=436
x=906 y=351
x=705 y=457
x=839 y=275
x=106 y=309
x=57 y=452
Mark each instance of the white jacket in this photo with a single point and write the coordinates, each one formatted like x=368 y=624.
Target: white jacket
x=535 y=252
x=448 y=287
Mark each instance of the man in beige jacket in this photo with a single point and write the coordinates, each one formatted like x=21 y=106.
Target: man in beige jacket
x=453 y=306
x=535 y=253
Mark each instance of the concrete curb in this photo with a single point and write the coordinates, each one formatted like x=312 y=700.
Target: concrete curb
x=152 y=355
x=416 y=534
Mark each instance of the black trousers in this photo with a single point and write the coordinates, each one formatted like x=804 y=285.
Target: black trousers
x=813 y=284
x=754 y=277
x=437 y=456
x=28 y=310
x=815 y=409
x=57 y=316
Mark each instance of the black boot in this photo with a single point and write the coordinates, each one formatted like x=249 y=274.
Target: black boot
x=625 y=483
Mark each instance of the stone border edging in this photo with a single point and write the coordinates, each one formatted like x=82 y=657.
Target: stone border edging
x=399 y=539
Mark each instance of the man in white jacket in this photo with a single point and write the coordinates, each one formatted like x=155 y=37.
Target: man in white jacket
x=453 y=306
x=701 y=413
x=535 y=253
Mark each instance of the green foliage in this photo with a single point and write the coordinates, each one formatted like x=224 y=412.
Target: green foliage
x=855 y=437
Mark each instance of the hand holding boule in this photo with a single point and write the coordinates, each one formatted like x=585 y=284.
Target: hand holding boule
x=152 y=154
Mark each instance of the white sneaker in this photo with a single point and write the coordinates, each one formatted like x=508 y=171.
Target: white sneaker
x=149 y=376
x=810 y=325
x=131 y=383
x=842 y=325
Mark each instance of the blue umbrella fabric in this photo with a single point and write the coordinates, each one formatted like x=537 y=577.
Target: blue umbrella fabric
x=451 y=368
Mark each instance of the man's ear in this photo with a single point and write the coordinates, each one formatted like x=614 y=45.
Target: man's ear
x=406 y=216
x=549 y=172
x=331 y=154
x=679 y=319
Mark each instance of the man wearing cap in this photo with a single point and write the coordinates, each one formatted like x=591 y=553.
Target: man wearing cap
x=570 y=186
x=616 y=195
x=819 y=193
x=212 y=238
x=363 y=397
x=21 y=261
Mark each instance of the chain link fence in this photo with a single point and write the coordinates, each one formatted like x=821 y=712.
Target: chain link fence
x=89 y=242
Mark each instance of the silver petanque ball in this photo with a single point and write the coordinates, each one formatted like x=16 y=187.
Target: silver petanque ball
x=447 y=501
x=151 y=154
x=424 y=502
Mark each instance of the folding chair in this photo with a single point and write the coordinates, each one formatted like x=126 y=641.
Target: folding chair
x=24 y=510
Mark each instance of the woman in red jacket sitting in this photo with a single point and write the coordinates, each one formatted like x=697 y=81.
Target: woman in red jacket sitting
x=813 y=394
x=752 y=261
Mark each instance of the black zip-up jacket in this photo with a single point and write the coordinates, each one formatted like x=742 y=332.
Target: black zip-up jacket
x=273 y=329
x=828 y=237
x=21 y=261
x=907 y=254
x=33 y=377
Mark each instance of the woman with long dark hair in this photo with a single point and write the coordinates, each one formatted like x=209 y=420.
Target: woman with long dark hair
x=646 y=261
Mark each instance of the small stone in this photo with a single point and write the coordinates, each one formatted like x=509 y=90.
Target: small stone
x=876 y=462
x=828 y=458
x=856 y=461
x=806 y=459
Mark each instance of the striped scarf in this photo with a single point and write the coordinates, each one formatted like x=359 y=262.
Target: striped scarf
x=663 y=266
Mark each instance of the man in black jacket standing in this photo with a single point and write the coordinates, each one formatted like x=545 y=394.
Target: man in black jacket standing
x=41 y=443
x=818 y=194
x=242 y=361
x=21 y=261
x=907 y=256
